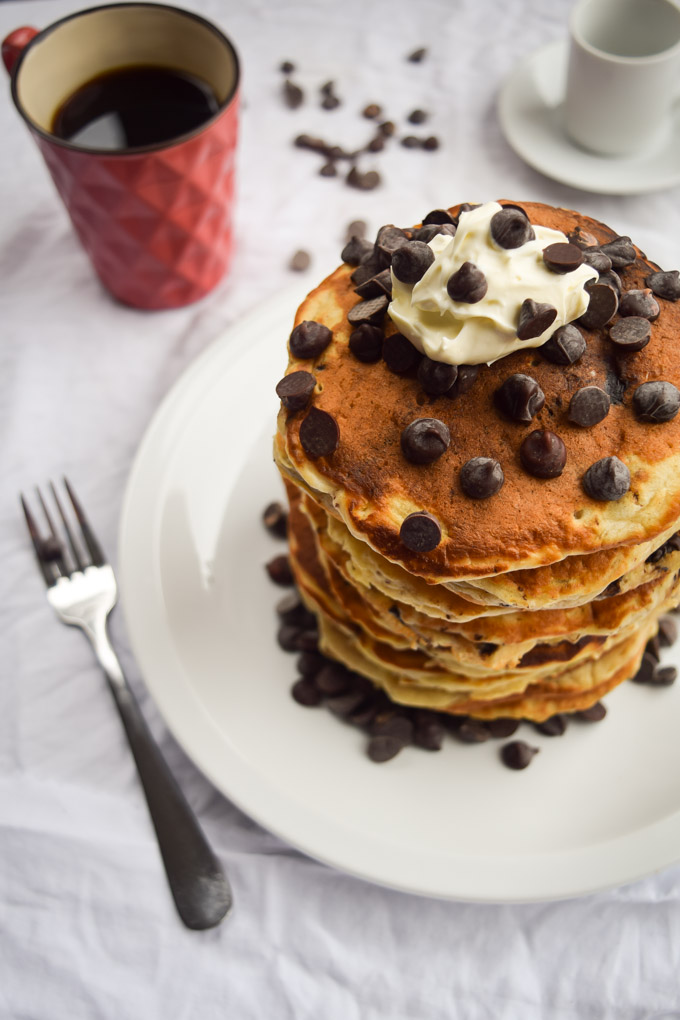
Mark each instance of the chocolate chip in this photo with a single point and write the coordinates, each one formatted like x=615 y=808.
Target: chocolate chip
x=468 y=284
x=306 y=693
x=328 y=170
x=355 y=249
x=464 y=381
x=381 y=749
x=366 y=343
x=639 y=302
x=428 y=731
x=631 y=334
x=430 y=230
x=417 y=117
x=481 y=477
x=410 y=142
x=583 y=238
x=344 y=704
x=357 y=228
x=653 y=648
x=543 y=454
x=668 y=631
x=376 y=144
x=611 y=278
x=425 y=440
x=510 y=228
x=436 y=377
x=300 y=261
x=534 y=318
x=588 y=406
x=310 y=663
x=555 y=726
x=286 y=67
x=665 y=285
x=517 y=754
x=364 y=182
x=595 y=713
x=656 y=402
x=295 y=390
x=293 y=96
x=607 y=479
x=275 y=520
x=377 y=285
x=390 y=239
x=370 y=265
x=333 y=679
x=279 y=571
x=601 y=307
x=565 y=346
x=387 y=128
x=371 y=311
x=287 y=636
x=417 y=55
x=620 y=251
x=309 y=339
x=502 y=727
x=596 y=259
x=319 y=434
x=371 y=111
x=562 y=258
x=438 y=216
x=399 y=354
x=393 y=724
x=330 y=102
x=420 y=532
x=411 y=261
x=520 y=397
x=664 y=676
x=430 y=143
x=364 y=713
x=472 y=731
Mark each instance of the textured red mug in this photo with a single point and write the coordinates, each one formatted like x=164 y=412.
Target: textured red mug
x=156 y=219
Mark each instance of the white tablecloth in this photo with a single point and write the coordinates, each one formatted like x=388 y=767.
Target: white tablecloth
x=87 y=927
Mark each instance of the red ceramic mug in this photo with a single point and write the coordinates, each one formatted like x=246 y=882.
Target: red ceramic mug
x=155 y=220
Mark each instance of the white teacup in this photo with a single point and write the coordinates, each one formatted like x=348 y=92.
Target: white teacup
x=624 y=70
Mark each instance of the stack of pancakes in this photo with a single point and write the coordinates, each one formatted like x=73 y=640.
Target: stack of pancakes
x=535 y=601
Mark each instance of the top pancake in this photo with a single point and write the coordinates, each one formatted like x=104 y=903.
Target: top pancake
x=369 y=484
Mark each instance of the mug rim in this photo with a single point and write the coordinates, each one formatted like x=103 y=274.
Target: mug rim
x=138 y=150
x=616 y=58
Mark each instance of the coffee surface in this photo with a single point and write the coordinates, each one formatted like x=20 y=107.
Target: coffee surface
x=134 y=106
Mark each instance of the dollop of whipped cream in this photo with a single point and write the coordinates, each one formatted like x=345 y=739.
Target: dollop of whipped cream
x=461 y=333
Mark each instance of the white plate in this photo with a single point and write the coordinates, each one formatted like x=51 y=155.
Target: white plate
x=598 y=807
x=531 y=115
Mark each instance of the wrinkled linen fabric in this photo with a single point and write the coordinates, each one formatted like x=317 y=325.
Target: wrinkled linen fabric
x=87 y=926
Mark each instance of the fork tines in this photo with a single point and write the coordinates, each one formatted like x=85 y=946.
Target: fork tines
x=50 y=550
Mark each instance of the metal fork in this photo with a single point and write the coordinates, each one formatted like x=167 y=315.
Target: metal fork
x=81 y=587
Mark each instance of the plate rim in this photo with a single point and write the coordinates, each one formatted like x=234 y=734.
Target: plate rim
x=132 y=571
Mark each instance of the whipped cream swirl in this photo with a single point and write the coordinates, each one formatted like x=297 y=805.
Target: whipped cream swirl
x=460 y=333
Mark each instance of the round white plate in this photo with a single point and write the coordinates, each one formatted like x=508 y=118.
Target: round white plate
x=598 y=807
x=530 y=109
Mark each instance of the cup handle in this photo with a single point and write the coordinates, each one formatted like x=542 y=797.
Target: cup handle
x=14 y=43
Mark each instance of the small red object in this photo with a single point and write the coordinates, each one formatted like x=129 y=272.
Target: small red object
x=14 y=43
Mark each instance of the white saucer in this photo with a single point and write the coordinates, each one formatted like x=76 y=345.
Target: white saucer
x=530 y=111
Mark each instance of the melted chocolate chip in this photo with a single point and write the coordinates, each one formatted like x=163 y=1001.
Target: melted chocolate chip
x=520 y=397
x=365 y=343
x=295 y=390
x=631 y=334
x=481 y=477
x=425 y=440
x=565 y=346
x=620 y=251
x=399 y=354
x=517 y=754
x=510 y=227
x=468 y=284
x=641 y=303
x=534 y=318
x=309 y=339
x=411 y=261
x=665 y=285
x=464 y=381
x=607 y=479
x=319 y=434
x=543 y=454
x=588 y=406
x=420 y=532
x=436 y=377
x=656 y=402
x=601 y=307
x=371 y=311
x=562 y=258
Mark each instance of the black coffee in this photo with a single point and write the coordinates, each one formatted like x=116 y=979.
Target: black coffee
x=134 y=106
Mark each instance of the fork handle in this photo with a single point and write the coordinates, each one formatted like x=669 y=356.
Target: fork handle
x=198 y=884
